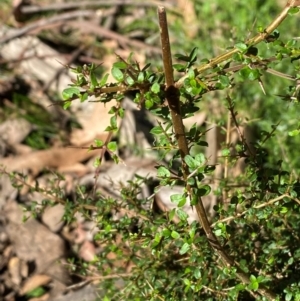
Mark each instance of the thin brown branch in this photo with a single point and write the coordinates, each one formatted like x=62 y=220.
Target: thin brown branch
x=250 y=42
x=230 y=218
x=172 y=93
x=233 y=117
x=261 y=65
x=85 y=4
x=172 y=97
x=45 y=22
x=85 y=26
x=58 y=72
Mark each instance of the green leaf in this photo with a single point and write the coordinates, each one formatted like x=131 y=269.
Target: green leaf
x=241 y=47
x=149 y=103
x=166 y=233
x=175 y=234
x=193 y=55
x=294 y=10
x=182 y=57
x=192 y=233
x=197 y=273
x=224 y=80
x=157 y=130
x=112 y=146
x=163 y=172
x=203 y=190
x=179 y=67
x=288 y=296
x=178 y=199
x=154 y=244
x=202 y=143
x=194 y=200
x=200 y=159
x=113 y=122
x=130 y=80
x=254 y=74
x=146 y=67
x=294 y=133
x=141 y=77
x=218 y=232
x=182 y=214
x=191 y=181
x=70 y=92
x=98 y=142
x=97 y=162
x=226 y=152
x=67 y=104
x=283 y=210
x=37 y=292
x=254 y=286
x=117 y=74
x=191 y=162
x=249 y=73
x=155 y=88
x=253 y=278
x=103 y=80
x=121 y=112
x=191 y=75
x=172 y=214
x=184 y=249
x=93 y=79
x=120 y=65
x=113 y=110
x=158 y=237
x=83 y=97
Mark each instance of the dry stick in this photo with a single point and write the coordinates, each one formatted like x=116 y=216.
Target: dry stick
x=85 y=26
x=172 y=97
x=58 y=72
x=29 y=9
x=44 y=22
x=253 y=41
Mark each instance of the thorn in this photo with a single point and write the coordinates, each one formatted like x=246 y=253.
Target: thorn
x=262 y=86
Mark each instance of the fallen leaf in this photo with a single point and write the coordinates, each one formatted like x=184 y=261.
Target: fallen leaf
x=34 y=282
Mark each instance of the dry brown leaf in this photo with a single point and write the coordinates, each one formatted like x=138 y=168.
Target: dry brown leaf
x=51 y=158
x=34 y=282
x=14 y=268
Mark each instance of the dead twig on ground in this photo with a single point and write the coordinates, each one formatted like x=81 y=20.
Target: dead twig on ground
x=40 y=24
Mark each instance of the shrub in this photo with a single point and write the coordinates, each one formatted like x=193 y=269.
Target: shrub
x=250 y=248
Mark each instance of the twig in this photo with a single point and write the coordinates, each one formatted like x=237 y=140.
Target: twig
x=250 y=42
x=227 y=219
x=58 y=72
x=172 y=97
x=260 y=65
x=228 y=137
x=233 y=116
x=103 y=32
x=40 y=190
x=73 y=5
x=45 y=22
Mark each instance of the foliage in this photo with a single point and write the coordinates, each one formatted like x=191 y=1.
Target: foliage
x=251 y=248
